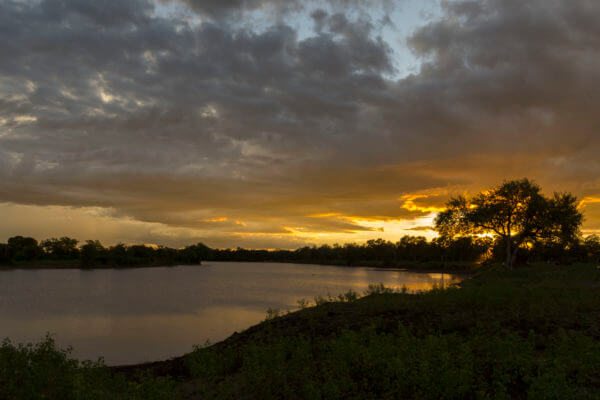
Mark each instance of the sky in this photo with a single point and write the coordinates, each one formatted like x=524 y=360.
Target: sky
x=279 y=124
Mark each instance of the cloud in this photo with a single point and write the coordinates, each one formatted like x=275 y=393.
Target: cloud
x=422 y=228
x=168 y=120
x=236 y=9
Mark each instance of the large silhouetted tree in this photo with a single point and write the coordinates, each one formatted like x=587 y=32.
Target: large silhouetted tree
x=516 y=212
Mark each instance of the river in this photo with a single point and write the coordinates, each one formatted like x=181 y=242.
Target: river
x=148 y=314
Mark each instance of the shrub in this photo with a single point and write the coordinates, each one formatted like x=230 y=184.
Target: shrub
x=43 y=371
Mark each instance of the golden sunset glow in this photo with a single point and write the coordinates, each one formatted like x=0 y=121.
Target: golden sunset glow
x=253 y=135
x=588 y=200
x=410 y=205
x=218 y=219
x=339 y=198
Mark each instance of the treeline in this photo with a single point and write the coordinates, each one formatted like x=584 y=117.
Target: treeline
x=379 y=252
x=409 y=251
x=25 y=251
x=417 y=251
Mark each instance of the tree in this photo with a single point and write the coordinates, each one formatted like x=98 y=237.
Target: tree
x=63 y=248
x=117 y=255
x=515 y=212
x=4 y=254
x=592 y=246
x=23 y=248
x=91 y=253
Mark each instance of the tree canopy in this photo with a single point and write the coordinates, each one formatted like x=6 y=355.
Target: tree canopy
x=517 y=213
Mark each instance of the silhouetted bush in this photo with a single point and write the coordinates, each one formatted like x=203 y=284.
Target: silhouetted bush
x=43 y=371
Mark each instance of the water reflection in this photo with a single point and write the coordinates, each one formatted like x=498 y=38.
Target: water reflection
x=145 y=314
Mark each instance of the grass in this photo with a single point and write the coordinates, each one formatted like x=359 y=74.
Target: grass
x=528 y=333
x=43 y=371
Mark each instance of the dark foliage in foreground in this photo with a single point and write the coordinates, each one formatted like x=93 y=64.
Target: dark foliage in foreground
x=43 y=371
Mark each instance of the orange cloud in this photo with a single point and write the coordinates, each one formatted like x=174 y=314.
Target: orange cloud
x=217 y=219
x=588 y=200
x=324 y=215
x=410 y=205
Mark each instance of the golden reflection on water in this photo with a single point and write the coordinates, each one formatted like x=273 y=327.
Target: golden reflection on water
x=114 y=334
x=398 y=280
x=147 y=314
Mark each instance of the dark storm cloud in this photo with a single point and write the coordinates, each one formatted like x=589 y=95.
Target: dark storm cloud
x=522 y=68
x=110 y=104
x=218 y=9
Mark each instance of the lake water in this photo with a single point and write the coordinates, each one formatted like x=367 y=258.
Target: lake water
x=148 y=314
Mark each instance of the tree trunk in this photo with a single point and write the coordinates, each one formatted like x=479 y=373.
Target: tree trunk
x=518 y=242
x=514 y=255
x=508 y=262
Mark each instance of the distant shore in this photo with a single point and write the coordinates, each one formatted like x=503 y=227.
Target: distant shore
x=424 y=267
x=465 y=267
x=40 y=265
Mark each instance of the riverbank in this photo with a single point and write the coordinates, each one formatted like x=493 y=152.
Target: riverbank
x=528 y=333
x=40 y=265
x=465 y=268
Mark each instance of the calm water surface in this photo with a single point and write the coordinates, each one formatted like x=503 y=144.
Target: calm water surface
x=147 y=314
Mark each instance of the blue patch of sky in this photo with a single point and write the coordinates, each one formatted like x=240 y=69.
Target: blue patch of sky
x=406 y=17
x=394 y=24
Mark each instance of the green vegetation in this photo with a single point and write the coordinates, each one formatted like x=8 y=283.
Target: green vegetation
x=526 y=333
x=45 y=372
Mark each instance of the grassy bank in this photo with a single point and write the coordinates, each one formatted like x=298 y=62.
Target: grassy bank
x=528 y=333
